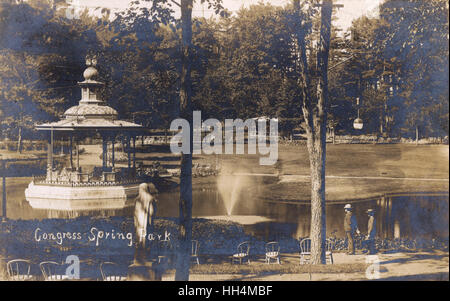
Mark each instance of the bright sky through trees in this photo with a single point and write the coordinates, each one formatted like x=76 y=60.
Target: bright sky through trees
x=352 y=8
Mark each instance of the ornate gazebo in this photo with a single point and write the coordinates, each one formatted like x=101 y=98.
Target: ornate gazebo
x=73 y=186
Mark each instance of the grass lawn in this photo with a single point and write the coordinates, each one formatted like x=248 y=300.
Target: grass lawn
x=6 y=154
x=262 y=268
x=354 y=171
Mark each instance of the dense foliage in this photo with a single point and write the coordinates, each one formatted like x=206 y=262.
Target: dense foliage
x=244 y=66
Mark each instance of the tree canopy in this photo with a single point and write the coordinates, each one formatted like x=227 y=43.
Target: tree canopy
x=244 y=65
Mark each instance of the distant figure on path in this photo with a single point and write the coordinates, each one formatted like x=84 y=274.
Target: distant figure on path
x=144 y=211
x=371 y=231
x=350 y=227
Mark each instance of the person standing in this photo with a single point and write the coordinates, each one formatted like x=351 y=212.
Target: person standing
x=371 y=231
x=144 y=210
x=350 y=227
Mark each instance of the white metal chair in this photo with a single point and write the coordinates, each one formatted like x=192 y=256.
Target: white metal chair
x=165 y=251
x=273 y=252
x=329 y=251
x=19 y=270
x=194 y=250
x=52 y=271
x=243 y=250
x=109 y=272
x=305 y=250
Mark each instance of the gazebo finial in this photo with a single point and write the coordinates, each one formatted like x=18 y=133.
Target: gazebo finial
x=91 y=71
x=91 y=60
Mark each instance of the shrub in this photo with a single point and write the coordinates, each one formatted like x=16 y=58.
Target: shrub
x=118 y=157
x=39 y=145
x=11 y=145
x=26 y=168
x=28 y=146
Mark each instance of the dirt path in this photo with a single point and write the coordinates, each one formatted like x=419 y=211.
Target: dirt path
x=393 y=266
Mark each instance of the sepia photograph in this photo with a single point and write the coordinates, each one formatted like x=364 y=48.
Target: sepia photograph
x=210 y=141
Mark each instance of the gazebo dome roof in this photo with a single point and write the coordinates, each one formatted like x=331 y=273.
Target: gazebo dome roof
x=90 y=73
x=91 y=111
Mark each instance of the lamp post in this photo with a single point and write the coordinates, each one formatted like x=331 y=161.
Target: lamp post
x=358 y=123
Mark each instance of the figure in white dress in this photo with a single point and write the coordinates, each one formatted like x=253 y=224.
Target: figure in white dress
x=144 y=211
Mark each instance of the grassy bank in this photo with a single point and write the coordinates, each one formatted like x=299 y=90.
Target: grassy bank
x=354 y=171
x=262 y=269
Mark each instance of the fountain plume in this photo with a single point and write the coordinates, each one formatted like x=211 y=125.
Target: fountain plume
x=230 y=186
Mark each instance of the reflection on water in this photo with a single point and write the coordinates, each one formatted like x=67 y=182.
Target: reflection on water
x=407 y=216
x=206 y=202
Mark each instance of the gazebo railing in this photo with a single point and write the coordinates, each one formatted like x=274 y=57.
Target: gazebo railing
x=42 y=180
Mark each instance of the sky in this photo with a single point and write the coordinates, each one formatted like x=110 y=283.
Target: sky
x=352 y=8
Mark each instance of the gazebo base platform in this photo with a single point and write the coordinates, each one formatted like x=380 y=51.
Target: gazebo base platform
x=68 y=197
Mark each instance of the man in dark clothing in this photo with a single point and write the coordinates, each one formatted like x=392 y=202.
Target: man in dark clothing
x=371 y=231
x=350 y=227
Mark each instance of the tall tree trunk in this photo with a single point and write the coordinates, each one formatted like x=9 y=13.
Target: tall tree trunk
x=417 y=134
x=316 y=126
x=185 y=218
x=381 y=122
x=19 y=140
x=318 y=154
x=386 y=119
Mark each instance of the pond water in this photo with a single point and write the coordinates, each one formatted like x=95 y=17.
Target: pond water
x=418 y=215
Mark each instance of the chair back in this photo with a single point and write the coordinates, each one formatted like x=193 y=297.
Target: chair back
x=110 y=271
x=244 y=247
x=305 y=245
x=51 y=270
x=165 y=249
x=195 y=246
x=272 y=247
x=18 y=269
x=329 y=245
x=165 y=246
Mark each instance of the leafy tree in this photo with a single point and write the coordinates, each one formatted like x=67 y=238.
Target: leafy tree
x=314 y=112
x=42 y=57
x=400 y=68
x=417 y=38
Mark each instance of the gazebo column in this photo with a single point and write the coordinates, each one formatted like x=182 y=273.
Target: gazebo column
x=128 y=152
x=105 y=152
x=50 y=155
x=71 y=151
x=78 y=154
x=113 y=138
